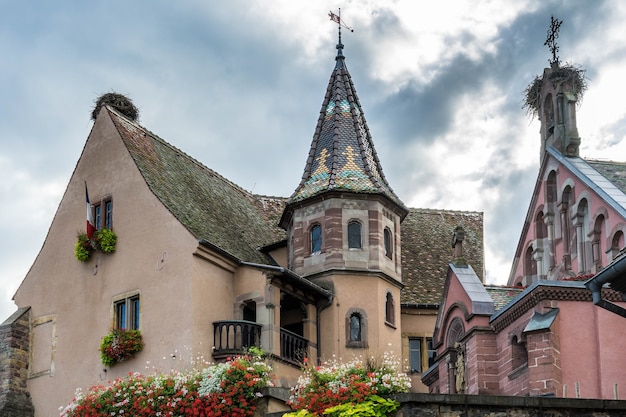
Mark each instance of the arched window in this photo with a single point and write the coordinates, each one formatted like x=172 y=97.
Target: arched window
x=519 y=355
x=354 y=235
x=356 y=327
x=390 y=309
x=388 y=241
x=541 y=229
x=530 y=265
x=597 y=239
x=316 y=238
x=617 y=243
x=582 y=237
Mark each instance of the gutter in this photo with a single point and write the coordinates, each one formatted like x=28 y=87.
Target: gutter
x=607 y=275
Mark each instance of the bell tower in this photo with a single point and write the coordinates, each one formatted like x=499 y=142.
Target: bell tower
x=558 y=92
x=343 y=226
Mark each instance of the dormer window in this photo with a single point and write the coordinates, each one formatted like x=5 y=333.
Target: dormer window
x=316 y=239
x=388 y=242
x=354 y=235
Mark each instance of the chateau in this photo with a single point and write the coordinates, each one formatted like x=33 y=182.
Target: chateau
x=203 y=268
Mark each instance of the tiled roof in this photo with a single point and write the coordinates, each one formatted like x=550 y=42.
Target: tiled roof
x=238 y=222
x=427 y=251
x=501 y=296
x=613 y=171
x=207 y=204
x=342 y=155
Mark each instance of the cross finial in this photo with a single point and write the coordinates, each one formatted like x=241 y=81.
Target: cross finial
x=553 y=34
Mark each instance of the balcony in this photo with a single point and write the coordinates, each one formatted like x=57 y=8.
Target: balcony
x=293 y=347
x=232 y=337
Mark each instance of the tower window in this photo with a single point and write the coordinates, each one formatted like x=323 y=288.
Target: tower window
x=389 y=309
x=388 y=242
x=354 y=235
x=316 y=238
x=355 y=327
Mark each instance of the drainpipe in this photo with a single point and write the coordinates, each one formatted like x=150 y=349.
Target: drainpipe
x=320 y=305
x=607 y=275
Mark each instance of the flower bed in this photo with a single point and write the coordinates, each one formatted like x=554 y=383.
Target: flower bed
x=228 y=389
x=353 y=388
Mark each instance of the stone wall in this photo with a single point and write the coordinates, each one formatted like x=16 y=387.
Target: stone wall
x=14 y=355
x=439 y=405
x=459 y=405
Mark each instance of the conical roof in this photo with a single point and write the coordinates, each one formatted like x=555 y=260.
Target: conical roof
x=342 y=155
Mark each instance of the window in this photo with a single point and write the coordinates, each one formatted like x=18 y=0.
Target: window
x=388 y=241
x=103 y=214
x=390 y=309
x=355 y=327
x=421 y=353
x=316 y=238
x=354 y=235
x=127 y=313
x=519 y=355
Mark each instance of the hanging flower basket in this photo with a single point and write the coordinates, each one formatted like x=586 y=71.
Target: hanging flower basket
x=83 y=247
x=103 y=240
x=120 y=345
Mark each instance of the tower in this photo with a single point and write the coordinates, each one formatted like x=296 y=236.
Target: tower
x=343 y=227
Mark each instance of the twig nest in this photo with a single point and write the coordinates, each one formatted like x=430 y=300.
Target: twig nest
x=119 y=102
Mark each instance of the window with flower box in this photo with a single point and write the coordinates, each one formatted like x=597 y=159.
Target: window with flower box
x=103 y=214
x=127 y=312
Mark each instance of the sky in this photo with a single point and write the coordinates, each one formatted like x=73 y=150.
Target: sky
x=239 y=86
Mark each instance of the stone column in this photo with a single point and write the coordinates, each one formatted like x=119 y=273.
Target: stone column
x=548 y=219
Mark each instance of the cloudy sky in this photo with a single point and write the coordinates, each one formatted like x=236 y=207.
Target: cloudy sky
x=239 y=87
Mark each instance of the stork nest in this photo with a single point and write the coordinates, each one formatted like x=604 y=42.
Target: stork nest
x=568 y=74
x=119 y=102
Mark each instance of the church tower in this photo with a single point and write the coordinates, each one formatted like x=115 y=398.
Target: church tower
x=343 y=228
x=555 y=95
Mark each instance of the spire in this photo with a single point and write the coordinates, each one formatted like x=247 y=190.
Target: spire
x=342 y=155
x=340 y=59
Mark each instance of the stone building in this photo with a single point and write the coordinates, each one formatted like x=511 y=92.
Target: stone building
x=545 y=334
x=205 y=268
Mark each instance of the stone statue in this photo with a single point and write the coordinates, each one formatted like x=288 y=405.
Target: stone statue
x=459 y=369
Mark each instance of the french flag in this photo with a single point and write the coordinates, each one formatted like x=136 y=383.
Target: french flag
x=90 y=226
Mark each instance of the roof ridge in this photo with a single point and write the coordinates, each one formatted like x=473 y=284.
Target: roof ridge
x=177 y=150
x=446 y=210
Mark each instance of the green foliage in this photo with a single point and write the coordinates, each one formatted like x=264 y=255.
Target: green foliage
x=374 y=406
x=82 y=248
x=334 y=384
x=106 y=240
x=120 y=345
x=103 y=240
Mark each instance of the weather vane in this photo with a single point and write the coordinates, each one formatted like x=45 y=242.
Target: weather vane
x=553 y=34
x=337 y=19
